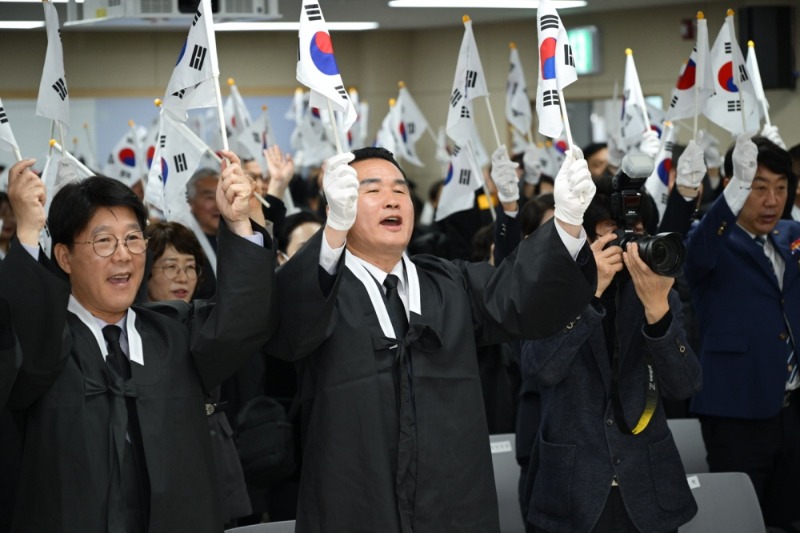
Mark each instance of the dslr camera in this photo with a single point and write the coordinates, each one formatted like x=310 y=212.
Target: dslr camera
x=663 y=253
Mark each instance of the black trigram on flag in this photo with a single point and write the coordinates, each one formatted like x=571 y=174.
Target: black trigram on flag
x=472 y=78
x=198 y=57
x=464 y=176
x=256 y=137
x=180 y=163
x=516 y=113
x=550 y=98
x=3 y=118
x=61 y=88
x=549 y=22
x=410 y=128
x=464 y=111
x=743 y=73
x=111 y=159
x=197 y=16
x=124 y=174
x=512 y=87
x=180 y=93
x=313 y=12
x=456 y=149
x=734 y=105
x=162 y=141
x=456 y=98
x=674 y=101
x=59 y=34
x=728 y=48
x=569 y=59
x=668 y=147
x=342 y=92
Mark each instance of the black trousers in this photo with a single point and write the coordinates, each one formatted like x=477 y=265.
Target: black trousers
x=767 y=450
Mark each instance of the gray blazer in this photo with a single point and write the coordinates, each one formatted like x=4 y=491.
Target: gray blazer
x=580 y=450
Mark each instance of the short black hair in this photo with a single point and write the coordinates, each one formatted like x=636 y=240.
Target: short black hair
x=291 y=223
x=590 y=149
x=600 y=209
x=777 y=160
x=76 y=203
x=376 y=152
x=163 y=234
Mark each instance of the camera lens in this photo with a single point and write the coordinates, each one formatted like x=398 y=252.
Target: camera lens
x=663 y=253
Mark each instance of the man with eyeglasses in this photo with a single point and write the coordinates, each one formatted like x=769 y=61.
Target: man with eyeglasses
x=111 y=397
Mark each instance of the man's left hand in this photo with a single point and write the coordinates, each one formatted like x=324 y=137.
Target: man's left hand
x=233 y=195
x=651 y=288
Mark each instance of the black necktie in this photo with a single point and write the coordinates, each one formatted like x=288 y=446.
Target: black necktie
x=395 y=307
x=116 y=357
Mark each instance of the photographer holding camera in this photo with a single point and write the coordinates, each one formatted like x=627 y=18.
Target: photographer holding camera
x=604 y=459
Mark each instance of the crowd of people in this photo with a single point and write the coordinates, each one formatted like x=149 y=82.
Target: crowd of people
x=343 y=365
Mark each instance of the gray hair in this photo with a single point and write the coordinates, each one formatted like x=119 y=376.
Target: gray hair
x=202 y=173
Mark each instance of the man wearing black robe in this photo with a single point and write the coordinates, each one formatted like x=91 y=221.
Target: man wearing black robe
x=111 y=444
x=395 y=436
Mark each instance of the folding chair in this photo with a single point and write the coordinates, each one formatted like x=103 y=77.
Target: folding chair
x=725 y=502
x=506 y=479
x=689 y=440
x=271 y=527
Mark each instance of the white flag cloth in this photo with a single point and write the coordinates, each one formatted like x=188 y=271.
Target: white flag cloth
x=632 y=122
x=460 y=184
x=385 y=136
x=518 y=104
x=53 y=100
x=556 y=69
x=191 y=85
x=518 y=142
x=124 y=160
x=411 y=125
x=358 y=131
x=695 y=83
x=657 y=184
x=7 y=140
x=256 y=138
x=178 y=154
x=755 y=76
x=237 y=116
x=733 y=88
x=310 y=140
x=316 y=65
x=469 y=83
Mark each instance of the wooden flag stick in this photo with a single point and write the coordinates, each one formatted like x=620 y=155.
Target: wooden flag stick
x=334 y=127
x=89 y=143
x=68 y=155
x=736 y=72
x=223 y=130
x=494 y=124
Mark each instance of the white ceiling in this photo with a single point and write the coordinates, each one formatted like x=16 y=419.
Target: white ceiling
x=354 y=10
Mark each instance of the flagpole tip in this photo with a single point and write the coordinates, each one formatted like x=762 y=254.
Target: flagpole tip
x=465 y=19
x=730 y=12
x=668 y=123
x=299 y=90
x=392 y=101
x=157 y=102
x=75 y=141
x=263 y=108
x=52 y=142
x=85 y=125
x=700 y=15
x=401 y=84
x=628 y=52
x=231 y=82
x=512 y=45
x=751 y=44
x=131 y=123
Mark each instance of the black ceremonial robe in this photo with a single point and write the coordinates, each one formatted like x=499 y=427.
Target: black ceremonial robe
x=69 y=407
x=364 y=471
x=10 y=353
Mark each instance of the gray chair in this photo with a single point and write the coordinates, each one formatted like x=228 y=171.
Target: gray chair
x=725 y=502
x=689 y=440
x=506 y=479
x=271 y=527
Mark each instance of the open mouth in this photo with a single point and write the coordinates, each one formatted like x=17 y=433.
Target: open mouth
x=392 y=221
x=180 y=293
x=119 y=279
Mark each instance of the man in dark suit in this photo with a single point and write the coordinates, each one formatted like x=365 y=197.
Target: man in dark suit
x=743 y=271
x=394 y=427
x=111 y=396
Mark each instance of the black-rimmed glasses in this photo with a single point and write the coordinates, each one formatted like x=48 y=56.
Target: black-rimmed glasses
x=105 y=244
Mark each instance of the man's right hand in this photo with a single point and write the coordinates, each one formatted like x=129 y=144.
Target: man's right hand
x=609 y=261
x=745 y=160
x=27 y=195
x=340 y=184
x=573 y=189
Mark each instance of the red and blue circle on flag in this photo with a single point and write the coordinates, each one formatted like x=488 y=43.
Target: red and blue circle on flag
x=561 y=145
x=164 y=171
x=127 y=157
x=663 y=170
x=151 y=153
x=321 y=50
x=687 y=78
x=725 y=78
x=402 y=131
x=547 y=56
x=449 y=174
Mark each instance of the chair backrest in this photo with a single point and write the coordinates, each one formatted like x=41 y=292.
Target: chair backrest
x=726 y=502
x=506 y=479
x=689 y=440
x=271 y=527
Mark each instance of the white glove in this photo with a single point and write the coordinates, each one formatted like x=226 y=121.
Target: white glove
x=504 y=175
x=573 y=188
x=650 y=144
x=340 y=184
x=533 y=165
x=616 y=152
x=710 y=146
x=745 y=162
x=771 y=133
x=691 y=167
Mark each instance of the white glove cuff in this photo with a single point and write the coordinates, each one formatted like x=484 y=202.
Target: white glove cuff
x=566 y=216
x=339 y=225
x=736 y=195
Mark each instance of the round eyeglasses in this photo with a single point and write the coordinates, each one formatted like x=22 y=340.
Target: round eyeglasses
x=105 y=244
x=171 y=271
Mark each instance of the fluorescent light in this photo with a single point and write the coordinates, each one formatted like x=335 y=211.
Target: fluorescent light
x=474 y=4
x=291 y=26
x=20 y=24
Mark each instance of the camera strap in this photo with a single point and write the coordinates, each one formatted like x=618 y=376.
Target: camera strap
x=651 y=396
